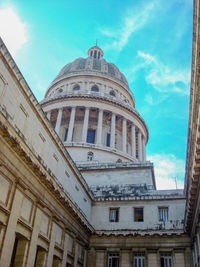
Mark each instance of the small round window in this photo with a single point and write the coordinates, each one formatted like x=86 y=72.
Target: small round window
x=76 y=87
x=112 y=93
x=60 y=90
x=95 y=89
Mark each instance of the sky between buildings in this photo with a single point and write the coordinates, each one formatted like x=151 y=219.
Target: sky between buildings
x=149 y=40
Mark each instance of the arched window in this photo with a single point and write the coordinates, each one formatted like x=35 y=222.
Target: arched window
x=76 y=87
x=112 y=93
x=119 y=161
x=90 y=156
x=95 y=89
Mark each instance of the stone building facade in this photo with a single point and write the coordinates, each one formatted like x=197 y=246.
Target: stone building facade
x=75 y=186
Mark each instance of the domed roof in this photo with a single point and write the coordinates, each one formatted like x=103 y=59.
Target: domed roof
x=93 y=64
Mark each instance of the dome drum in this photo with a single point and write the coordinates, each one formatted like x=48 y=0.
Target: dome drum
x=102 y=129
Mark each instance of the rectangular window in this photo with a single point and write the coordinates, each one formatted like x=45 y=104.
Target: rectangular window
x=113 y=260
x=66 y=133
x=108 y=140
x=139 y=260
x=163 y=214
x=90 y=136
x=138 y=215
x=166 y=260
x=114 y=215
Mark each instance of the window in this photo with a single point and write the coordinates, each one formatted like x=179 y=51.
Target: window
x=91 y=136
x=138 y=215
x=112 y=93
x=95 y=53
x=139 y=260
x=163 y=214
x=90 y=156
x=113 y=260
x=76 y=87
x=91 y=53
x=95 y=89
x=108 y=140
x=166 y=260
x=66 y=133
x=114 y=215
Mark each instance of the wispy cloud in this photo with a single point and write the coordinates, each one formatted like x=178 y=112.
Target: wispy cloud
x=12 y=29
x=169 y=170
x=129 y=24
x=163 y=78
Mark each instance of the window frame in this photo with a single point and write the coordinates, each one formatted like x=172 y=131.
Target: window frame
x=90 y=156
x=134 y=213
x=108 y=139
x=111 y=256
x=139 y=256
x=76 y=87
x=96 y=90
x=91 y=137
x=166 y=256
x=116 y=219
x=163 y=208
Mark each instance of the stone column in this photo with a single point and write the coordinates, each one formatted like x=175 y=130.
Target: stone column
x=58 y=121
x=139 y=145
x=51 y=245
x=34 y=238
x=85 y=258
x=124 y=135
x=152 y=259
x=143 y=149
x=71 y=125
x=198 y=242
x=133 y=146
x=195 y=253
x=85 y=125
x=125 y=258
x=179 y=259
x=188 y=257
x=76 y=255
x=49 y=115
x=9 y=239
x=99 y=127
x=66 y=241
x=112 y=135
x=91 y=257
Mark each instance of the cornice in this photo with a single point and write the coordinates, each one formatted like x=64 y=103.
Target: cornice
x=31 y=99
x=45 y=177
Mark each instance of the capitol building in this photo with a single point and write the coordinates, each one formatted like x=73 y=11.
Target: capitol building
x=76 y=187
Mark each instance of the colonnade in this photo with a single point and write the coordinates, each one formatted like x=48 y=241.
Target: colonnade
x=139 y=147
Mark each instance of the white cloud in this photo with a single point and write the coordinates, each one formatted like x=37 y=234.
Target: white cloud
x=12 y=30
x=168 y=168
x=164 y=78
x=129 y=25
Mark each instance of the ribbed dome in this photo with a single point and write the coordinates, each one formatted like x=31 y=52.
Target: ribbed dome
x=92 y=65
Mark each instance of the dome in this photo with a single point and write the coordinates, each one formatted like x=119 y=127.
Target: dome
x=92 y=109
x=94 y=64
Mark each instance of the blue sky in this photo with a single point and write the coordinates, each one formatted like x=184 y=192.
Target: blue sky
x=149 y=40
